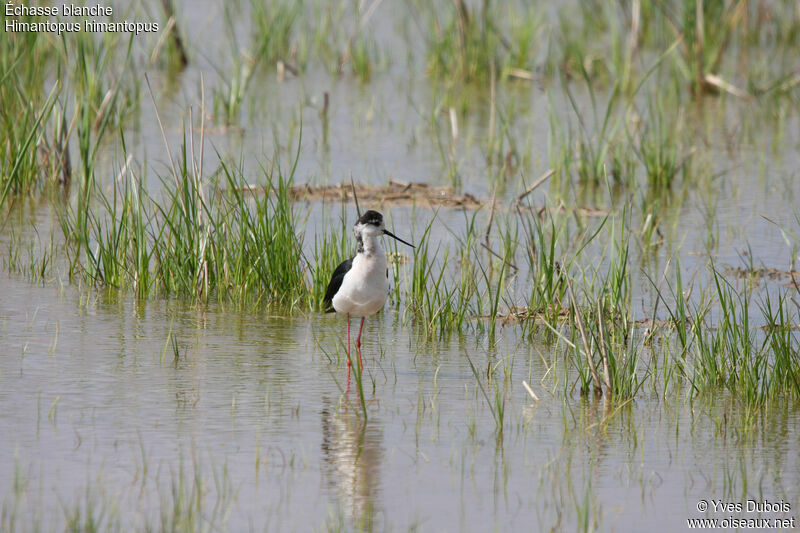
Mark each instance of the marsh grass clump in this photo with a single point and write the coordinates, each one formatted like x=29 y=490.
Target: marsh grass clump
x=29 y=258
x=44 y=126
x=89 y=102
x=227 y=99
x=657 y=145
x=725 y=349
x=451 y=292
x=578 y=38
x=96 y=74
x=721 y=44
x=27 y=104
x=362 y=54
x=707 y=29
x=195 y=498
x=343 y=42
x=525 y=35
x=600 y=335
x=290 y=37
x=265 y=49
x=193 y=242
x=465 y=46
x=293 y=35
x=170 y=48
x=21 y=168
x=267 y=248
x=473 y=45
x=782 y=340
x=591 y=146
x=24 y=61
x=330 y=249
x=274 y=24
x=610 y=360
x=548 y=287
x=431 y=300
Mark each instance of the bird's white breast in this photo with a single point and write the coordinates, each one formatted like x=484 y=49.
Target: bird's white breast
x=365 y=287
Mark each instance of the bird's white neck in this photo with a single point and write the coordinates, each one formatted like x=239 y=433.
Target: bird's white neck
x=368 y=241
x=369 y=245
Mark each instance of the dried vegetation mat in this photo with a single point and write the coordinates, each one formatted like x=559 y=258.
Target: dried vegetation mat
x=397 y=192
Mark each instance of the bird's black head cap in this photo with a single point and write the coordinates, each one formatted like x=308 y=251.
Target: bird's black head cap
x=372 y=218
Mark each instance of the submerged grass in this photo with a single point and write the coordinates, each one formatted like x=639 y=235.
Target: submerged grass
x=190 y=496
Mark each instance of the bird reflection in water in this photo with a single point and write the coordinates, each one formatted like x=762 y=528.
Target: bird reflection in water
x=352 y=452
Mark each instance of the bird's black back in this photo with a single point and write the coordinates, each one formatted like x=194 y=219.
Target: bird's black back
x=335 y=284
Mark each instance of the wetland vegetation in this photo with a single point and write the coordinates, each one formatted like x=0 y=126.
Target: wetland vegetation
x=599 y=326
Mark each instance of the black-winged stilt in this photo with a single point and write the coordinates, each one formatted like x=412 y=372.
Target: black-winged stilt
x=360 y=285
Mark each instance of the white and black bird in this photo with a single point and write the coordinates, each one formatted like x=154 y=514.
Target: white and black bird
x=360 y=285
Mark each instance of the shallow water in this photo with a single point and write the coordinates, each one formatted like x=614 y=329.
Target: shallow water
x=247 y=427
x=99 y=414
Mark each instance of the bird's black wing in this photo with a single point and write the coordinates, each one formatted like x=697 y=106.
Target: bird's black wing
x=335 y=284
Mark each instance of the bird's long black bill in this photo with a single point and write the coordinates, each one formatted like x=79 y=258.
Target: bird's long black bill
x=392 y=235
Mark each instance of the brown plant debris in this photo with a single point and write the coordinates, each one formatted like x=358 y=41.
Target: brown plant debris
x=769 y=274
x=397 y=192
x=519 y=314
x=584 y=212
x=394 y=192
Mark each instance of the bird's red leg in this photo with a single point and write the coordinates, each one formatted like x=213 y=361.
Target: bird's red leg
x=358 y=344
x=348 y=353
